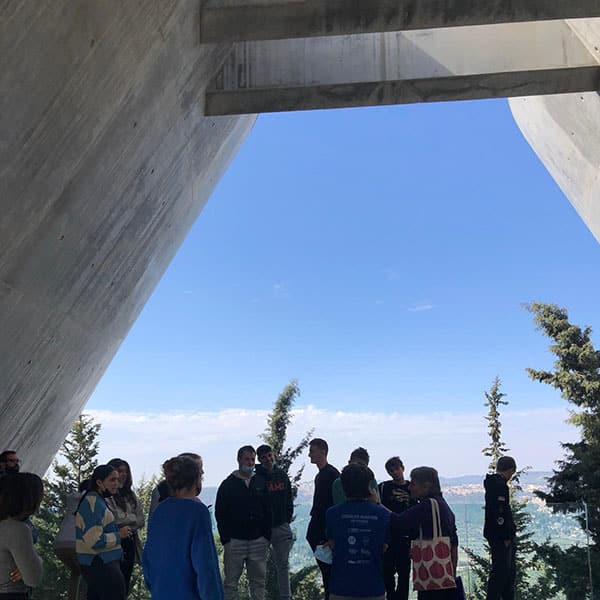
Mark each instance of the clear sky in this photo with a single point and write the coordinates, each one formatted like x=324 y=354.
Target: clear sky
x=381 y=257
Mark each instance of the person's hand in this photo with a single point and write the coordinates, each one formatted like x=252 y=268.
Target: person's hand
x=125 y=531
x=15 y=576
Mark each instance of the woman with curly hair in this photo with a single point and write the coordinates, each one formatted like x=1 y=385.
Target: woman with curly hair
x=180 y=558
x=129 y=513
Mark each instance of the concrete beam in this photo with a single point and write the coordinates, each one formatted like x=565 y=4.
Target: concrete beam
x=395 y=68
x=239 y=20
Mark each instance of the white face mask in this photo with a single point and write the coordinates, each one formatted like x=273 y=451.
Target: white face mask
x=246 y=469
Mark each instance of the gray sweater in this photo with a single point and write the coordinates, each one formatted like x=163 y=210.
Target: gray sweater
x=17 y=552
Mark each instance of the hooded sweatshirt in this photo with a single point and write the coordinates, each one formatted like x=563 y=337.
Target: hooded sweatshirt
x=243 y=508
x=280 y=492
x=499 y=524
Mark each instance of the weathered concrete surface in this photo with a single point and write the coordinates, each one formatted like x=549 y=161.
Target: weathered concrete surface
x=106 y=160
x=564 y=131
x=239 y=20
x=400 y=67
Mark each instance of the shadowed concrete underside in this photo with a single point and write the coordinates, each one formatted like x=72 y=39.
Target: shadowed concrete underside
x=106 y=160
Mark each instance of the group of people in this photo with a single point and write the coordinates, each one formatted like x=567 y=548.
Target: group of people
x=359 y=531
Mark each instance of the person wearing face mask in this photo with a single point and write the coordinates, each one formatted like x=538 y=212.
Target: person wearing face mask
x=128 y=511
x=243 y=513
x=282 y=508
x=180 y=559
x=20 y=566
x=98 y=538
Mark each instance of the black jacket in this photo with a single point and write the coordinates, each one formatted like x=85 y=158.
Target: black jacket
x=499 y=524
x=322 y=500
x=243 y=511
x=280 y=492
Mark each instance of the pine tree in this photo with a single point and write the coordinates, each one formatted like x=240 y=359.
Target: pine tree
x=275 y=436
x=79 y=451
x=576 y=374
x=531 y=582
x=143 y=491
x=493 y=401
x=276 y=433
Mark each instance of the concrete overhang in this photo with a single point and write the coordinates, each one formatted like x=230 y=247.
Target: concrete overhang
x=242 y=20
x=368 y=69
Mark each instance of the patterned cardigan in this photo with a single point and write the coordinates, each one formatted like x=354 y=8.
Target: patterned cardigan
x=96 y=532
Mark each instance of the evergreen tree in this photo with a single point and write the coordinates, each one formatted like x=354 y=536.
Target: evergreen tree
x=79 y=451
x=576 y=374
x=493 y=401
x=532 y=582
x=276 y=433
x=275 y=436
x=143 y=491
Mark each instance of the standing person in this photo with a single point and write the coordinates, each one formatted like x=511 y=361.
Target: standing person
x=98 y=539
x=20 y=566
x=243 y=513
x=316 y=534
x=357 y=531
x=162 y=491
x=180 y=559
x=9 y=462
x=499 y=530
x=424 y=487
x=359 y=456
x=128 y=512
x=395 y=496
x=282 y=509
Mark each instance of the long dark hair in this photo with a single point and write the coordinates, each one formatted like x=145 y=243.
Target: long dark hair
x=20 y=495
x=124 y=494
x=101 y=472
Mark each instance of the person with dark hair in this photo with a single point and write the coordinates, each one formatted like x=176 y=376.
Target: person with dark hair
x=20 y=566
x=358 y=531
x=359 y=456
x=162 y=491
x=316 y=534
x=98 y=539
x=424 y=487
x=500 y=531
x=243 y=513
x=180 y=559
x=128 y=512
x=395 y=496
x=282 y=509
x=9 y=462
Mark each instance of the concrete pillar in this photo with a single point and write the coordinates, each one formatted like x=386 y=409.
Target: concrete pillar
x=564 y=131
x=106 y=159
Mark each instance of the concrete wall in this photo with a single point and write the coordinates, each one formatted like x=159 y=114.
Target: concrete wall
x=564 y=131
x=106 y=160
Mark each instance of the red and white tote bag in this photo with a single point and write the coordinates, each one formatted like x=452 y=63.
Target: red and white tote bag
x=432 y=559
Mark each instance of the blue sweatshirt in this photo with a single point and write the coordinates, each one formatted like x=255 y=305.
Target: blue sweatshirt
x=180 y=559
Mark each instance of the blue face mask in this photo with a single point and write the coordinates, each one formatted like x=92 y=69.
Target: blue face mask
x=246 y=469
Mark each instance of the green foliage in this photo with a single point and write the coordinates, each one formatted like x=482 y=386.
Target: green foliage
x=275 y=436
x=79 y=451
x=143 y=491
x=532 y=579
x=493 y=401
x=306 y=584
x=576 y=374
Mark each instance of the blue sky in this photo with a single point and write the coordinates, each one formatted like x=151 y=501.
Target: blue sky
x=380 y=256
